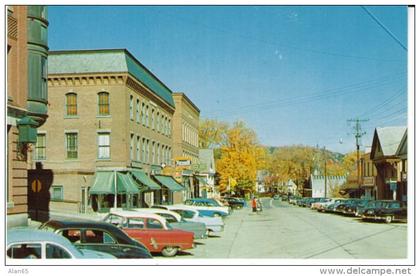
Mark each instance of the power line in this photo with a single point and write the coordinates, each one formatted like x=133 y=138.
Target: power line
x=310 y=98
x=384 y=28
x=374 y=109
x=290 y=47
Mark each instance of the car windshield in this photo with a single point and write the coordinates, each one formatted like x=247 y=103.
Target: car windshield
x=168 y=225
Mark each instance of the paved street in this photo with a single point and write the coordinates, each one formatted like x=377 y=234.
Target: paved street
x=286 y=231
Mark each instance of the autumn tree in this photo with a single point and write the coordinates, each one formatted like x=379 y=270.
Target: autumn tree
x=212 y=133
x=240 y=159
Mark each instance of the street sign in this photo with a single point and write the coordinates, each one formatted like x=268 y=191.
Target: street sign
x=36 y=186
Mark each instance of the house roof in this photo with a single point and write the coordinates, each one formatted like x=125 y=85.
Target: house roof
x=389 y=139
x=107 y=61
x=402 y=147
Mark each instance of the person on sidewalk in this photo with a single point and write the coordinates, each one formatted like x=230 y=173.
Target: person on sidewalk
x=254 y=205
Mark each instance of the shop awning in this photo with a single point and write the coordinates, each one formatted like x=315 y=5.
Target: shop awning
x=169 y=183
x=141 y=177
x=104 y=184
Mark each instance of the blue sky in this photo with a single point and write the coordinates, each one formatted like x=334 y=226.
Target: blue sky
x=295 y=74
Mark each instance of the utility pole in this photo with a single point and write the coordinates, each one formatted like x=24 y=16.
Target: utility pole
x=325 y=175
x=358 y=133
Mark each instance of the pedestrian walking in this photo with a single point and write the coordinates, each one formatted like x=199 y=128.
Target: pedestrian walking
x=254 y=205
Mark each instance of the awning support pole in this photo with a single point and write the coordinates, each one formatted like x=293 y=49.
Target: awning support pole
x=116 y=191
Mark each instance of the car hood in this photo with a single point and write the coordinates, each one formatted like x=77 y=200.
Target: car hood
x=92 y=254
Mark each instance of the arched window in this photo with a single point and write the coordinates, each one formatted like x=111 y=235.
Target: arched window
x=103 y=103
x=71 y=104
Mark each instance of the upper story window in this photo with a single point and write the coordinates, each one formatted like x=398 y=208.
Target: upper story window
x=71 y=145
x=131 y=107
x=103 y=103
x=158 y=122
x=138 y=111
x=132 y=146
x=71 y=104
x=153 y=119
x=147 y=115
x=104 y=145
x=143 y=112
x=40 y=146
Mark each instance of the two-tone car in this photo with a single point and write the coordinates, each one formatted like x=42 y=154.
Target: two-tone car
x=213 y=224
x=98 y=236
x=153 y=231
x=176 y=221
x=235 y=202
x=205 y=204
x=38 y=244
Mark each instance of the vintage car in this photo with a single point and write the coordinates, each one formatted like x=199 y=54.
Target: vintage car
x=371 y=204
x=315 y=205
x=322 y=206
x=342 y=206
x=388 y=211
x=208 y=207
x=332 y=208
x=38 y=244
x=350 y=208
x=176 y=221
x=98 y=236
x=153 y=231
x=213 y=224
x=235 y=202
x=293 y=200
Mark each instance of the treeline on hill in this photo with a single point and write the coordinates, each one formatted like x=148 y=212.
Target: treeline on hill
x=239 y=155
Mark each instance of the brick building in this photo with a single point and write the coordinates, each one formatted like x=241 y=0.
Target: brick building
x=26 y=101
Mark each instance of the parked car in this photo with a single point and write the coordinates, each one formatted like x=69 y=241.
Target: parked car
x=210 y=205
x=176 y=221
x=315 y=204
x=351 y=207
x=153 y=231
x=293 y=200
x=213 y=224
x=323 y=206
x=332 y=208
x=235 y=203
x=389 y=211
x=276 y=196
x=371 y=204
x=342 y=206
x=38 y=244
x=98 y=236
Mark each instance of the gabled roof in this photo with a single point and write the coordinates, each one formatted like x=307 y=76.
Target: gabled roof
x=388 y=139
x=402 y=148
x=107 y=61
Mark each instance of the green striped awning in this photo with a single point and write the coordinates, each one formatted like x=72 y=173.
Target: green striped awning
x=169 y=183
x=141 y=177
x=104 y=184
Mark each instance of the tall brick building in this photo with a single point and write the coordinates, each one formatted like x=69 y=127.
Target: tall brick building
x=27 y=100
x=108 y=113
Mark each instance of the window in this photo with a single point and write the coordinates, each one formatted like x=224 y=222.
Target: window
x=136 y=223
x=147 y=151
x=131 y=107
x=132 y=146
x=143 y=150
x=169 y=127
x=98 y=237
x=40 y=147
x=169 y=218
x=25 y=251
x=147 y=115
x=138 y=149
x=158 y=123
x=143 y=112
x=73 y=235
x=104 y=146
x=56 y=252
x=153 y=119
x=103 y=103
x=57 y=193
x=158 y=154
x=162 y=118
x=153 y=153
x=71 y=104
x=154 y=224
x=71 y=145
x=138 y=111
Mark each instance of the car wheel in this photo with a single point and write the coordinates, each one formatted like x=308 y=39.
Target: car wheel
x=216 y=215
x=388 y=219
x=169 y=251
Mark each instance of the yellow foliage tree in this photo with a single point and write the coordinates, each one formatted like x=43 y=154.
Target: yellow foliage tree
x=240 y=159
